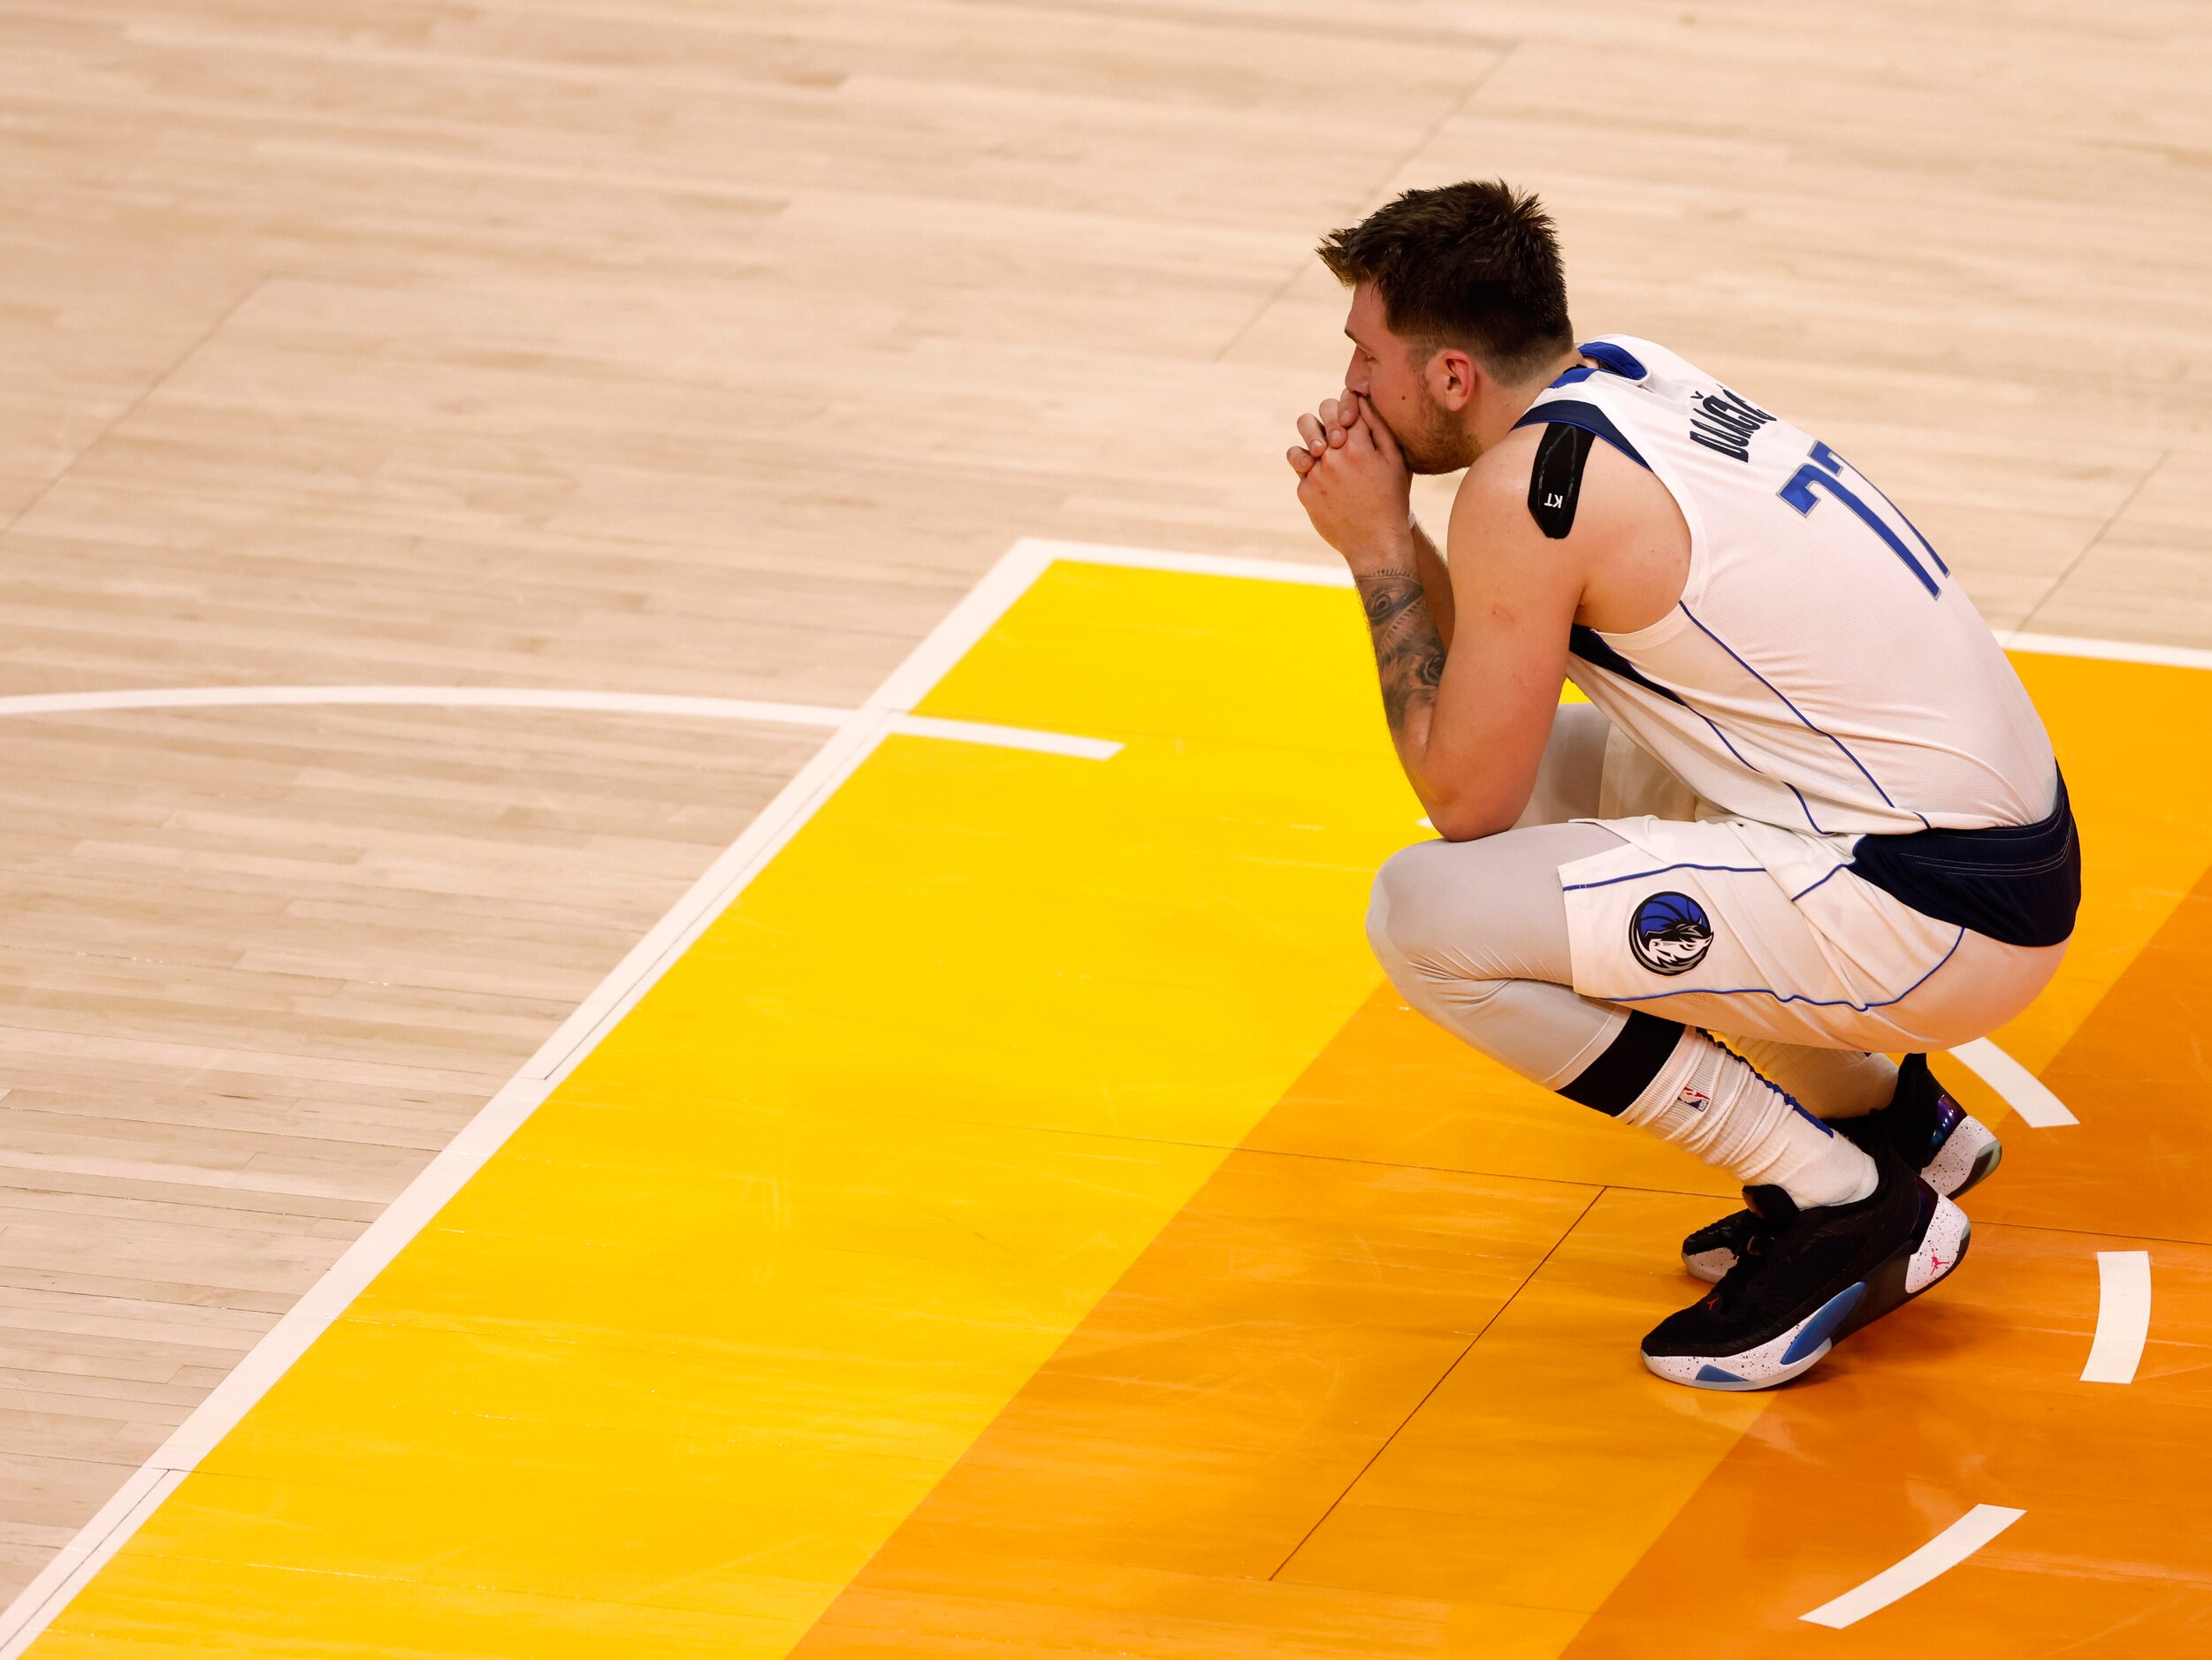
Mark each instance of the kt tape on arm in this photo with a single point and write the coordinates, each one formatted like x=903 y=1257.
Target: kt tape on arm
x=1555 y=483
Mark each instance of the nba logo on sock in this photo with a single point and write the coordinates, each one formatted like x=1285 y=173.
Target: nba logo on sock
x=1696 y=1099
x=1670 y=934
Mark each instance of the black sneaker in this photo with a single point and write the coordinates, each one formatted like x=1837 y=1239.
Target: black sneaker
x=1808 y=1279
x=1934 y=1134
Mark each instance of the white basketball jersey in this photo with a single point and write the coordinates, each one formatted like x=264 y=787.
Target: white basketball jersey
x=1823 y=671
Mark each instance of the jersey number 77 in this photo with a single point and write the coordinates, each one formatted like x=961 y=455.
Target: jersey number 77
x=1825 y=471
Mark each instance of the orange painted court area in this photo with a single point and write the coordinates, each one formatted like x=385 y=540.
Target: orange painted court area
x=1025 y=1224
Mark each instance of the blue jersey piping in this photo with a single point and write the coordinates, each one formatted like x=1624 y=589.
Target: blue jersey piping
x=1841 y=749
x=1680 y=864
x=1789 y=997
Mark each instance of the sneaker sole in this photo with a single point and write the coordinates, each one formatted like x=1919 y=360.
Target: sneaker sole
x=1931 y=1259
x=1797 y=1350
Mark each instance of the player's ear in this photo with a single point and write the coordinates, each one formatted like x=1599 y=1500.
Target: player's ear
x=1451 y=376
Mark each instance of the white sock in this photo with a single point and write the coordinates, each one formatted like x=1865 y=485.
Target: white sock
x=1827 y=1083
x=1715 y=1105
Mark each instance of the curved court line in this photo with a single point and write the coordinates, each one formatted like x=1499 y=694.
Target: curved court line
x=2124 y=1304
x=2023 y=1091
x=1957 y=1542
x=596 y=703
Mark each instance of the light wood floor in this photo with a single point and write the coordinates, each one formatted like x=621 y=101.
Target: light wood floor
x=679 y=348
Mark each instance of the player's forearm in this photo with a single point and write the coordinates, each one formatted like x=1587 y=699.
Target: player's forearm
x=1435 y=582
x=1409 y=652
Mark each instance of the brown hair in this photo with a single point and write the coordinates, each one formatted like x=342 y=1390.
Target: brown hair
x=1475 y=265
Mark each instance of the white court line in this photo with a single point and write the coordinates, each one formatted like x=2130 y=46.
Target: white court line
x=2123 y=1305
x=1004 y=737
x=1957 y=1542
x=1336 y=576
x=2023 y=1091
x=424 y=696
x=854 y=737
x=908 y=684
x=1145 y=559
x=2109 y=651
x=597 y=702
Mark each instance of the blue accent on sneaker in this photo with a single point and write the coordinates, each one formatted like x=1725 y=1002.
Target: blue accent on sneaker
x=1815 y=1332
x=1948 y=1113
x=1714 y=1374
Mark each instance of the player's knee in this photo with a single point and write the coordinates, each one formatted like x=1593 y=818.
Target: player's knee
x=1407 y=907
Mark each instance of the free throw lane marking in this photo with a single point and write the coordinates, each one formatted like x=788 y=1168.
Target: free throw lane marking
x=1957 y=1542
x=2023 y=1091
x=2124 y=1301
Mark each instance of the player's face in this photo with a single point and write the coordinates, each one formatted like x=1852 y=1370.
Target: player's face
x=1389 y=371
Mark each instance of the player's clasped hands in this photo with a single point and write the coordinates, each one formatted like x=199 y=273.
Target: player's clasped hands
x=1352 y=480
x=1325 y=431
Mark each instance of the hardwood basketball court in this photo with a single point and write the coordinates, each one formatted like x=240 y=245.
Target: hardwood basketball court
x=624 y=1034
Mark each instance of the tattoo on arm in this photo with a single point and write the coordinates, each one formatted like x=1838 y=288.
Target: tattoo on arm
x=1408 y=650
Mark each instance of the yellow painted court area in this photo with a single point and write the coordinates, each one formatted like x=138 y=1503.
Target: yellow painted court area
x=1019 y=1225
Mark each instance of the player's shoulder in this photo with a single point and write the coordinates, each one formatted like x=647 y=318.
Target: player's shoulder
x=1548 y=483
x=1491 y=498
x=1496 y=545
x=1492 y=474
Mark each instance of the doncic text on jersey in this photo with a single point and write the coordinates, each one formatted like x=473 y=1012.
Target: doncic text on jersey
x=1725 y=420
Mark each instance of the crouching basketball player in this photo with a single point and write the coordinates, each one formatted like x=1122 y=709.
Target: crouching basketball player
x=1809 y=806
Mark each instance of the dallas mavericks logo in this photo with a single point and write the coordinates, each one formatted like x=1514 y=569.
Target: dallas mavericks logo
x=1670 y=934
